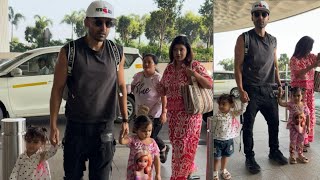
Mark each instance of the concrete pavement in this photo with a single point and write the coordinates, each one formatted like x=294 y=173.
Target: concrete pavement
x=270 y=170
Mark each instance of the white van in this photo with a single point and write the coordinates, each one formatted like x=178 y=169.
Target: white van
x=25 y=92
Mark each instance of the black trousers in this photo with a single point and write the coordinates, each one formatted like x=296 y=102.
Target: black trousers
x=263 y=99
x=91 y=142
x=157 y=126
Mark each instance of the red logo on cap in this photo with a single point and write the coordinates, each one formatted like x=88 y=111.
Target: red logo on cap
x=105 y=10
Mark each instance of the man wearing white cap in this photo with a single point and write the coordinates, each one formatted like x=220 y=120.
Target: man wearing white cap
x=256 y=71
x=94 y=79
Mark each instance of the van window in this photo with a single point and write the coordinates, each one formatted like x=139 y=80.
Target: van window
x=39 y=65
x=130 y=58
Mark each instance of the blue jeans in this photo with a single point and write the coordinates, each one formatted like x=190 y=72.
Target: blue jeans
x=91 y=142
x=223 y=148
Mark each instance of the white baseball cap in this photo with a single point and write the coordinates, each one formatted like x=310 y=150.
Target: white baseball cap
x=100 y=9
x=260 y=6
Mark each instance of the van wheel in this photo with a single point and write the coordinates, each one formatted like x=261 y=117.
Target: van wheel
x=235 y=92
x=130 y=109
x=1 y=116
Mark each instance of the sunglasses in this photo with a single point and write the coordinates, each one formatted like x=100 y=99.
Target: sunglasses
x=263 y=14
x=100 y=23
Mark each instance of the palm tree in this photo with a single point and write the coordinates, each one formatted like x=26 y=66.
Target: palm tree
x=42 y=22
x=14 y=19
x=71 y=19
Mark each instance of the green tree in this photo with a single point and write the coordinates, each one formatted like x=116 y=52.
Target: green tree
x=227 y=64
x=36 y=34
x=79 y=28
x=160 y=25
x=123 y=28
x=16 y=46
x=130 y=28
x=71 y=19
x=282 y=61
x=190 y=25
x=206 y=33
x=14 y=19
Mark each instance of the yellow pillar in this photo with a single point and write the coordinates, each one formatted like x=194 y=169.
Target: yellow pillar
x=4 y=26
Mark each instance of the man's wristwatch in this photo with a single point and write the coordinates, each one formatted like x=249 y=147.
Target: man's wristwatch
x=125 y=120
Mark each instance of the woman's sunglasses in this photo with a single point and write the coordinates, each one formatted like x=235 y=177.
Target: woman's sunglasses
x=100 y=23
x=263 y=14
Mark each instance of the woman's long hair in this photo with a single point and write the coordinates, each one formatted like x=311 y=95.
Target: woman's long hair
x=303 y=47
x=181 y=39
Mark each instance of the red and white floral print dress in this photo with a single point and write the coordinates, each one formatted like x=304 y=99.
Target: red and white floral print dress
x=184 y=128
x=306 y=81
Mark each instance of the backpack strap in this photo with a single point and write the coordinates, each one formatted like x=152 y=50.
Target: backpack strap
x=116 y=53
x=71 y=52
x=246 y=43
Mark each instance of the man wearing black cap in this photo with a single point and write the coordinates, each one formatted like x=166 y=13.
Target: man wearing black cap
x=256 y=71
x=94 y=84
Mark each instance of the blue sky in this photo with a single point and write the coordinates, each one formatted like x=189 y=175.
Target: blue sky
x=287 y=31
x=55 y=10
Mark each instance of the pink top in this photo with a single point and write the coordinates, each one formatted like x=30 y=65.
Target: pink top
x=296 y=65
x=135 y=145
x=145 y=93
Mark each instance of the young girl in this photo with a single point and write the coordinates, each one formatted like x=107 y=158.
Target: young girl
x=141 y=140
x=296 y=107
x=33 y=164
x=225 y=128
x=145 y=89
x=143 y=162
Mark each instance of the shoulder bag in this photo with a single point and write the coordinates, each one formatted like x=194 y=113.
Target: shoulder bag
x=196 y=99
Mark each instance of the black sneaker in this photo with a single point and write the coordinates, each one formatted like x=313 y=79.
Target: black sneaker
x=278 y=157
x=252 y=166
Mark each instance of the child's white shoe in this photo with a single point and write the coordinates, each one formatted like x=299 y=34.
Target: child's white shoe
x=215 y=175
x=225 y=174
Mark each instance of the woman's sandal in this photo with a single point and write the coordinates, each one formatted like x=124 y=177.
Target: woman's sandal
x=303 y=159
x=225 y=175
x=292 y=160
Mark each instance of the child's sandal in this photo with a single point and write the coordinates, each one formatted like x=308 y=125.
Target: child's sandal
x=292 y=160
x=215 y=175
x=225 y=174
x=303 y=159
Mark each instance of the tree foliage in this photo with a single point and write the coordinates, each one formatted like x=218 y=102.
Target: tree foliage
x=130 y=27
x=160 y=25
x=206 y=33
x=71 y=19
x=36 y=34
x=282 y=61
x=14 y=19
x=190 y=25
x=79 y=28
x=227 y=64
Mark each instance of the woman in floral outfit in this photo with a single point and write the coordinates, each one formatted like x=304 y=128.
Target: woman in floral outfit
x=184 y=128
x=302 y=66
